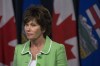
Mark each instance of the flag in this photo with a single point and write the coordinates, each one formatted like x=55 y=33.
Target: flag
x=64 y=29
x=7 y=33
x=89 y=32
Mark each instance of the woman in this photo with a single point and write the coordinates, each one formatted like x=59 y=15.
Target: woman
x=40 y=50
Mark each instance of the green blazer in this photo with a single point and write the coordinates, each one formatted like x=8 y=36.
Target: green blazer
x=53 y=54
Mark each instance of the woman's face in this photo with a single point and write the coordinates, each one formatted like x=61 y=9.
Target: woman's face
x=33 y=30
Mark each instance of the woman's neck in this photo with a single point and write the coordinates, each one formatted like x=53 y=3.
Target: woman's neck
x=38 y=42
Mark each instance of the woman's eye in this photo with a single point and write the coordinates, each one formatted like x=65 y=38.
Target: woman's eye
x=26 y=24
x=33 y=25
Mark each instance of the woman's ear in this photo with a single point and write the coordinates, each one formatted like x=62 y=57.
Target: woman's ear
x=43 y=31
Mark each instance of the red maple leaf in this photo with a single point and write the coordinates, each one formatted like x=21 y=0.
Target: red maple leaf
x=65 y=31
x=7 y=34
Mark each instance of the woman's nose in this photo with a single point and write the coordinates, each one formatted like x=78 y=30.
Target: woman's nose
x=28 y=27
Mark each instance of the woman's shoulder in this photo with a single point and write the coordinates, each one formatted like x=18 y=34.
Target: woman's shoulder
x=57 y=45
x=21 y=45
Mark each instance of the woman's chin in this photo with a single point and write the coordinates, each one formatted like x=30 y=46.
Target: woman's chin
x=31 y=38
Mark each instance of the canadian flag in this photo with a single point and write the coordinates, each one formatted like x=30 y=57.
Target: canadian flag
x=64 y=29
x=7 y=33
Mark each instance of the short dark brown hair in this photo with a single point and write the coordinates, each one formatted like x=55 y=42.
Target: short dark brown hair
x=42 y=16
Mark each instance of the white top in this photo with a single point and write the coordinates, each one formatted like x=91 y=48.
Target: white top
x=33 y=63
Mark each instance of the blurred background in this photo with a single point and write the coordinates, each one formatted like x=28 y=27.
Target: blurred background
x=75 y=23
